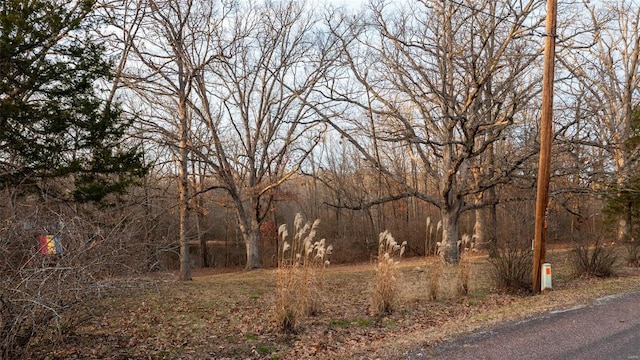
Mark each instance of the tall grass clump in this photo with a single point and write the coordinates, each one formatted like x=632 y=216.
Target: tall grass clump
x=464 y=271
x=386 y=278
x=433 y=277
x=300 y=274
x=593 y=259
x=434 y=270
x=431 y=238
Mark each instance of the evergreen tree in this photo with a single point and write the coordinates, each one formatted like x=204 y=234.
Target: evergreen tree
x=53 y=122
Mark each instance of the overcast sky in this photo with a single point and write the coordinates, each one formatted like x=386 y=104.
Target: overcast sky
x=350 y=3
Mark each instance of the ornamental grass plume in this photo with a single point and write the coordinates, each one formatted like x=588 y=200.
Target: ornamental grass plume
x=300 y=274
x=386 y=278
x=464 y=266
x=433 y=276
x=431 y=242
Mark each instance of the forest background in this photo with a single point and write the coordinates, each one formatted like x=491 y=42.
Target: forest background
x=149 y=135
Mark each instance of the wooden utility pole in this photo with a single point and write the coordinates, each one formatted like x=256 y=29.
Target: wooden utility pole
x=546 y=133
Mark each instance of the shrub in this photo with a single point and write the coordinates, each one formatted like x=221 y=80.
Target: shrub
x=300 y=274
x=389 y=254
x=593 y=260
x=512 y=266
x=633 y=252
x=41 y=287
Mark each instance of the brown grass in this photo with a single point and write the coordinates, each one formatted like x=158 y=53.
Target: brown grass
x=227 y=316
x=464 y=275
x=300 y=274
x=386 y=284
x=433 y=277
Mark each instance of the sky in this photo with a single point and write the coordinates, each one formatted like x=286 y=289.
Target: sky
x=349 y=3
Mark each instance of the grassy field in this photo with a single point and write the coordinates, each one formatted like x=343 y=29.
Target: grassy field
x=230 y=315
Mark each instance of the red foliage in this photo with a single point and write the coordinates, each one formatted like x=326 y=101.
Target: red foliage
x=268 y=231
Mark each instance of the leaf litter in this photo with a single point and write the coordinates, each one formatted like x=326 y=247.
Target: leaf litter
x=230 y=316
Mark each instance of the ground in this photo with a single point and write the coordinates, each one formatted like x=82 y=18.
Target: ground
x=230 y=314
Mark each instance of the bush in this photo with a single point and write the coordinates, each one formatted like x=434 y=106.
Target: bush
x=40 y=285
x=30 y=300
x=633 y=253
x=385 y=288
x=593 y=260
x=44 y=283
x=512 y=267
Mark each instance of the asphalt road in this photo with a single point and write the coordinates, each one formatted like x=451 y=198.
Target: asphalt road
x=607 y=329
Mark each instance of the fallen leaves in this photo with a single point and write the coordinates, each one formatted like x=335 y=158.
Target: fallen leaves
x=229 y=316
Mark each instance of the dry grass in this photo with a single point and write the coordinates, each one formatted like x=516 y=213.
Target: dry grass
x=300 y=274
x=464 y=275
x=386 y=278
x=227 y=316
x=433 y=277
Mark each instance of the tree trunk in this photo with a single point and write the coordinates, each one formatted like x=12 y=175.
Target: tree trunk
x=449 y=244
x=621 y=179
x=204 y=253
x=185 y=261
x=450 y=209
x=479 y=238
x=484 y=227
x=183 y=188
x=492 y=229
x=625 y=223
x=251 y=235
x=250 y=229
x=480 y=224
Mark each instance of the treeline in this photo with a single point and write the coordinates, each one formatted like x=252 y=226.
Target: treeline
x=202 y=126
x=143 y=135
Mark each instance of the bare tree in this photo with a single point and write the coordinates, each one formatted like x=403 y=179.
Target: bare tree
x=164 y=50
x=603 y=61
x=252 y=104
x=225 y=85
x=444 y=80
